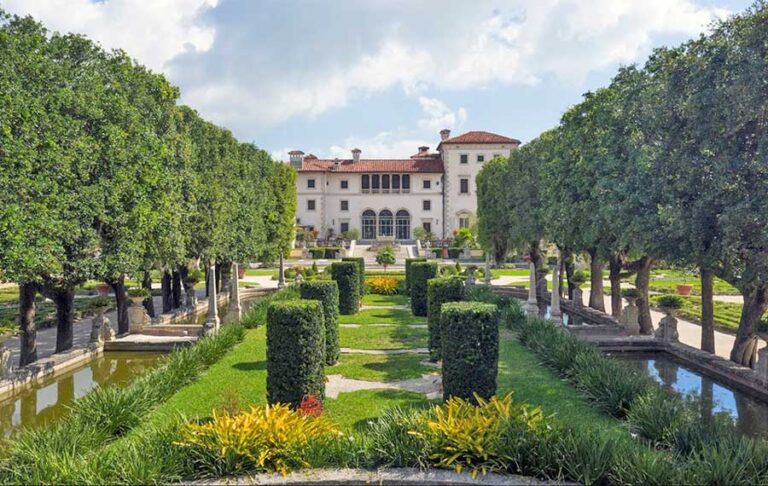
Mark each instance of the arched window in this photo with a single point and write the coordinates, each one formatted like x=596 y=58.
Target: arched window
x=369 y=225
x=403 y=225
x=385 y=223
x=406 y=182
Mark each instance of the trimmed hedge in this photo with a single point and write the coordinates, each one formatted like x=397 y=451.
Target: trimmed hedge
x=470 y=339
x=421 y=272
x=327 y=292
x=408 y=262
x=440 y=291
x=361 y=268
x=295 y=351
x=347 y=276
x=327 y=252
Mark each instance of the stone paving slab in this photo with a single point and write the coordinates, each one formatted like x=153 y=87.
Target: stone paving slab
x=385 y=351
x=411 y=326
x=430 y=385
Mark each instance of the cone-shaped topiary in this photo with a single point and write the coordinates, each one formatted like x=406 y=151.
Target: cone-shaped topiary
x=421 y=272
x=347 y=276
x=295 y=351
x=327 y=292
x=440 y=291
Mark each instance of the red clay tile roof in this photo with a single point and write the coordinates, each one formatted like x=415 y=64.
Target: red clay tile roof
x=373 y=165
x=480 y=137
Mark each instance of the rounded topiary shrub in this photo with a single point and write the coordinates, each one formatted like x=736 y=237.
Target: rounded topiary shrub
x=347 y=276
x=440 y=291
x=327 y=292
x=421 y=272
x=408 y=263
x=295 y=351
x=470 y=342
x=361 y=270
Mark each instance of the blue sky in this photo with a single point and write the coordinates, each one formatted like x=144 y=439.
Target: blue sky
x=385 y=76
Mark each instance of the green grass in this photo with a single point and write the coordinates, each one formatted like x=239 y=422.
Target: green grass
x=666 y=281
x=509 y=272
x=382 y=316
x=727 y=314
x=351 y=411
x=373 y=367
x=373 y=337
x=375 y=299
x=262 y=272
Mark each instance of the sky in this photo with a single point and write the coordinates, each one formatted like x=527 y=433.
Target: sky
x=384 y=76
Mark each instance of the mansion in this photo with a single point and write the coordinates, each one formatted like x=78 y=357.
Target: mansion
x=388 y=198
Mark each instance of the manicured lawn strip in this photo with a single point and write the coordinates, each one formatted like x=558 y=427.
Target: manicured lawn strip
x=375 y=299
x=727 y=314
x=664 y=280
x=373 y=367
x=509 y=272
x=382 y=316
x=351 y=411
x=261 y=272
x=373 y=337
x=521 y=372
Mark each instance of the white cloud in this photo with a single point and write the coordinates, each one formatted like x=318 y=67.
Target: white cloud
x=384 y=145
x=152 y=31
x=439 y=115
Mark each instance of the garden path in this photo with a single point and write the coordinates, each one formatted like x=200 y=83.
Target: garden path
x=430 y=385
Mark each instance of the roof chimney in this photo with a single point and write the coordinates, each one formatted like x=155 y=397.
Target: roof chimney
x=296 y=156
x=445 y=134
x=356 y=155
x=423 y=151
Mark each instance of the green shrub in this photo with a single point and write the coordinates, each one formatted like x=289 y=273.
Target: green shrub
x=641 y=465
x=631 y=293
x=295 y=351
x=421 y=272
x=327 y=292
x=332 y=251
x=361 y=270
x=588 y=455
x=512 y=315
x=734 y=460
x=657 y=415
x=470 y=340
x=408 y=263
x=256 y=315
x=579 y=277
x=440 y=291
x=669 y=301
x=317 y=252
x=393 y=439
x=347 y=276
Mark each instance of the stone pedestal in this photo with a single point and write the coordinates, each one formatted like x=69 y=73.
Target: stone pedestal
x=555 y=313
x=578 y=301
x=235 y=311
x=191 y=299
x=466 y=254
x=6 y=366
x=667 y=330
x=281 y=273
x=487 y=275
x=96 y=323
x=762 y=364
x=531 y=307
x=212 y=321
x=630 y=318
x=137 y=318
x=107 y=333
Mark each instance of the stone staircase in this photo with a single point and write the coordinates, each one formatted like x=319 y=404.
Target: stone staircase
x=401 y=253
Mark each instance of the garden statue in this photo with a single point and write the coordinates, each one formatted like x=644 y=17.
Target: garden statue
x=96 y=323
x=471 y=275
x=531 y=307
x=466 y=253
x=629 y=317
x=667 y=330
x=235 y=311
x=212 y=321
x=298 y=279
x=107 y=333
x=555 y=313
x=137 y=317
x=6 y=366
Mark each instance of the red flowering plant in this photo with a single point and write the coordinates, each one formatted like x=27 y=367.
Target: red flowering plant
x=311 y=406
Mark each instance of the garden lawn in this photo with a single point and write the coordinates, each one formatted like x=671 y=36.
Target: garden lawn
x=382 y=316
x=375 y=299
x=509 y=272
x=727 y=314
x=666 y=281
x=262 y=272
x=389 y=337
x=374 y=367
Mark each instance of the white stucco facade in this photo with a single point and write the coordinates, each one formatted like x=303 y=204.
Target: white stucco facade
x=390 y=198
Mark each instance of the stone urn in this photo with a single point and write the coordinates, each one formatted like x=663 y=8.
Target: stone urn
x=137 y=314
x=102 y=289
x=667 y=330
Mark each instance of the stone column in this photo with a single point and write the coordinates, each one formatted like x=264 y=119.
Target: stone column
x=235 y=311
x=487 y=276
x=6 y=366
x=281 y=274
x=212 y=322
x=531 y=307
x=555 y=313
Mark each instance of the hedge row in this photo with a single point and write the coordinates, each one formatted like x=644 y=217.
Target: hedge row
x=440 y=291
x=361 y=269
x=470 y=339
x=347 y=276
x=325 y=251
x=295 y=351
x=421 y=272
x=327 y=292
x=408 y=263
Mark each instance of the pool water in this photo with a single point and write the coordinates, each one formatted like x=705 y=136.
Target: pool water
x=749 y=414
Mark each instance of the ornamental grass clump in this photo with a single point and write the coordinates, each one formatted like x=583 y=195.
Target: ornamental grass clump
x=396 y=439
x=266 y=439
x=440 y=291
x=421 y=272
x=656 y=416
x=327 y=292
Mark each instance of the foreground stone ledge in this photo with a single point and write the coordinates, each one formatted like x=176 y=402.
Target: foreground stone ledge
x=400 y=476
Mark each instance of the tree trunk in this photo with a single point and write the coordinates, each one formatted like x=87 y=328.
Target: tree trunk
x=165 y=291
x=64 y=299
x=177 y=290
x=755 y=305
x=707 y=311
x=28 y=338
x=149 y=302
x=121 y=298
x=570 y=269
x=541 y=279
x=642 y=280
x=596 y=295
x=614 y=263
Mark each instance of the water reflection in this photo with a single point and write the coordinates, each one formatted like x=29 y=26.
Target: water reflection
x=749 y=414
x=49 y=400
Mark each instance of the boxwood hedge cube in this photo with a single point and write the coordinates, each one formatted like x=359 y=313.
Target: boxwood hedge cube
x=295 y=351
x=421 y=272
x=408 y=263
x=470 y=339
x=440 y=291
x=347 y=276
x=327 y=292
x=361 y=269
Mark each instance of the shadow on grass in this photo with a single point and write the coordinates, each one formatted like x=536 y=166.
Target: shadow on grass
x=251 y=366
x=389 y=399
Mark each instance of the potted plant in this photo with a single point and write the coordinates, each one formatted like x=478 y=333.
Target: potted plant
x=669 y=303
x=386 y=257
x=578 y=278
x=102 y=289
x=137 y=295
x=101 y=304
x=684 y=288
x=631 y=295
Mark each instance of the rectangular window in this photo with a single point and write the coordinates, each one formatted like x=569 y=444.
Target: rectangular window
x=481 y=158
x=406 y=182
x=375 y=182
x=427 y=184
x=463 y=221
x=427 y=226
x=310 y=183
x=385 y=182
x=464 y=186
x=426 y=205
x=464 y=158
x=310 y=205
x=345 y=184
x=366 y=183
x=345 y=205
x=344 y=227
x=395 y=182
